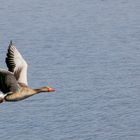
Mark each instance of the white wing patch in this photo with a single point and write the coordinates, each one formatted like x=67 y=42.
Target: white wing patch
x=2 y=95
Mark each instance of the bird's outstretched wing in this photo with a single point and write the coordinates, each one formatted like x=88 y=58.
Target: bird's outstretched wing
x=16 y=64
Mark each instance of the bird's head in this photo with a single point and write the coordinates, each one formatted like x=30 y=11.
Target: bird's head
x=48 y=89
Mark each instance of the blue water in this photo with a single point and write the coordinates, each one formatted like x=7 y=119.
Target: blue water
x=89 y=51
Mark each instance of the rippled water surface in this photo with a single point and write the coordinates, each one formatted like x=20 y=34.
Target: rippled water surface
x=89 y=50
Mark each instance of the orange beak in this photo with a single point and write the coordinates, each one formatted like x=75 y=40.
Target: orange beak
x=50 y=89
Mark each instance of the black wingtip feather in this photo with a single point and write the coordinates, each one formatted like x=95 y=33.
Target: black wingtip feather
x=9 y=59
x=11 y=43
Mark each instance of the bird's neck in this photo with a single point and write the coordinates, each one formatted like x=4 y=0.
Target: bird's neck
x=42 y=89
x=24 y=93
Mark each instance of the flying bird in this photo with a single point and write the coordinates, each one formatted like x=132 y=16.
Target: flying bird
x=13 y=82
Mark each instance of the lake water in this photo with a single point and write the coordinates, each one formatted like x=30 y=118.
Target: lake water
x=89 y=51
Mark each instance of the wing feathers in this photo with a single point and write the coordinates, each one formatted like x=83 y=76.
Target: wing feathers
x=16 y=64
x=8 y=82
x=10 y=59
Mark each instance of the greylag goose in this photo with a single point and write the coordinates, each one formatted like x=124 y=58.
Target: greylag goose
x=13 y=82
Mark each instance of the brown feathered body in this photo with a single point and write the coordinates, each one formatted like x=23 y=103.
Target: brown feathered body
x=24 y=92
